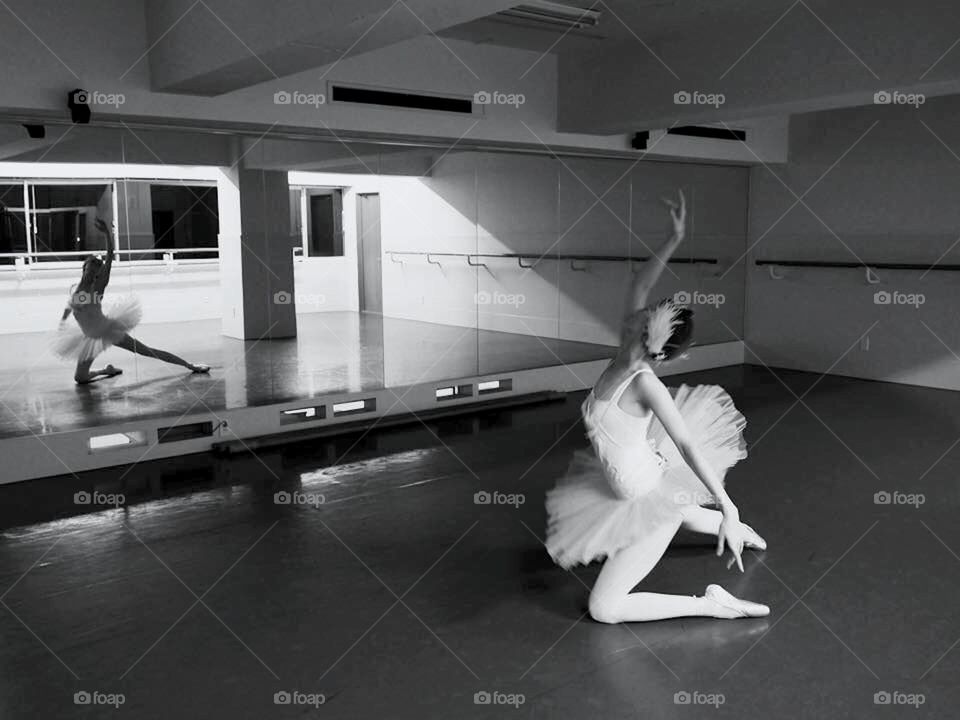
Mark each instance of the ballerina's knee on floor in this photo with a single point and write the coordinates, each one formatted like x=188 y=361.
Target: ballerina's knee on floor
x=95 y=331
x=656 y=458
x=612 y=599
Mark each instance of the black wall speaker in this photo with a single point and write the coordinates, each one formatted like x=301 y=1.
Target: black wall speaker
x=639 y=140
x=78 y=102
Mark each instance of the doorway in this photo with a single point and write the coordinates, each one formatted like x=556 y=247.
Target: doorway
x=369 y=253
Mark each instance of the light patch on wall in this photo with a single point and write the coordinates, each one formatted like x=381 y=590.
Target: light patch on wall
x=352 y=407
x=492 y=386
x=97 y=171
x=304 y=414
x=115 y=441
x=451 y=392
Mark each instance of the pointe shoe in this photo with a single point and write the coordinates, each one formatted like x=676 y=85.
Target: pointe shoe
x=112 y=371
x=201 y=369
x=735 y=607
x=754 y=541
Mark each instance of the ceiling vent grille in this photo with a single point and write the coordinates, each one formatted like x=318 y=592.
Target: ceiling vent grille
x=401 y=99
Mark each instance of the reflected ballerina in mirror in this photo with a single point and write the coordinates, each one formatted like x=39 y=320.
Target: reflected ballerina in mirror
x=657 y=457
x=95 y=331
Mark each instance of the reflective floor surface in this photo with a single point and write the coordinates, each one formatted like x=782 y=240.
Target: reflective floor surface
x=333 y=352
x=381 y=587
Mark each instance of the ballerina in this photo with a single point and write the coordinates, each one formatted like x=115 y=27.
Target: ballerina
x=656 y=460
x=95 y=331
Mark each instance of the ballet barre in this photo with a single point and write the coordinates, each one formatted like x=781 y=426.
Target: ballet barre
x=868 y=268
x=36 y=259
x=875 y=266
x=533 y=259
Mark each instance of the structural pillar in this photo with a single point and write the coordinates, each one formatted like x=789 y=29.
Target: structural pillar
x=256 y=254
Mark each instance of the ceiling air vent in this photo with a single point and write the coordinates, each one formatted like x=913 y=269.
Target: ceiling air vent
x=713 y=133
x=401 y=99
x=543 y=12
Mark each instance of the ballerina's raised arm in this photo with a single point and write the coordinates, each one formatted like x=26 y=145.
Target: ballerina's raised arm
x=645 y=280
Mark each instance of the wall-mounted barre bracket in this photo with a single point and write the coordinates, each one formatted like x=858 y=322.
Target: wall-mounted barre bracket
x=475 y=264
x=526 y=267
x=393 y=258
x=717 y=272
x=22 y=267
x=573 y=266
x=871 y=276
x=432 y=261
x=774 y=275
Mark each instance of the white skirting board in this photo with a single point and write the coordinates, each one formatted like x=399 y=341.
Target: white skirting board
x=29 y=457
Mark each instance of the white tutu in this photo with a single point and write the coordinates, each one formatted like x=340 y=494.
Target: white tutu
x=100 y=331
x=588 y=516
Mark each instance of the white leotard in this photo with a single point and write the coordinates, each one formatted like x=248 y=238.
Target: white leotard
x=631 y=463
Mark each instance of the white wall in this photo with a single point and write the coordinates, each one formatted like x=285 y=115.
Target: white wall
x=33 y=301
x=887 y=194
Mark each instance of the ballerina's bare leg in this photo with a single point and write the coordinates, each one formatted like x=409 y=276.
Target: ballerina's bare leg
x=612 y=599
x=135 y=346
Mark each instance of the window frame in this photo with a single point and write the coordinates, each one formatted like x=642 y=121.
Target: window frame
x=302 y=250
x=31 y=257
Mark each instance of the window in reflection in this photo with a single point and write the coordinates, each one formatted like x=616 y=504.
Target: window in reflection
x=168 y=217
x=316 y=221
x=13 y=222
x=184 y=216
x=62 y=218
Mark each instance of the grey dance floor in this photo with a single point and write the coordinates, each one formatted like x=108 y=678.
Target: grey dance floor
x=334 y=352
x=398 y=596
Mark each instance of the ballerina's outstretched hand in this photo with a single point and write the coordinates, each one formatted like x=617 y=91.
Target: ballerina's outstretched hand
x=737 y=535
x=678 y=213
x=734 y=535
x=644 y=281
